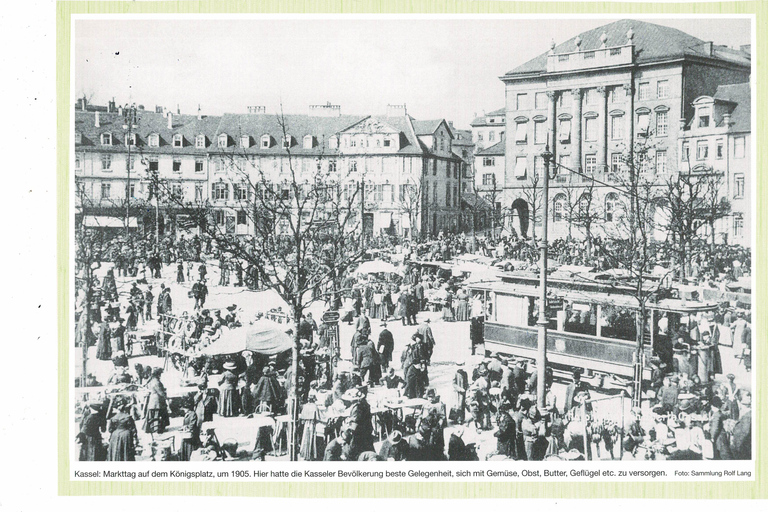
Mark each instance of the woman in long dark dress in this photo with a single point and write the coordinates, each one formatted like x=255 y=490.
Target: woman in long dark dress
x=268 y=393
x=91 y=428
x=190 y=436
x=156 y=419
x=123 y=437
x=229 y=399
x=104 y=348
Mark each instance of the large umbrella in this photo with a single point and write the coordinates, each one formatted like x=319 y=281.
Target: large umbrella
x=376 y=267
x=263 y=337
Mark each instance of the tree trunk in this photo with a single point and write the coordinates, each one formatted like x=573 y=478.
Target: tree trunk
x=293 y=401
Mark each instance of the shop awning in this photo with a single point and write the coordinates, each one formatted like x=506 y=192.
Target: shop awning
x=92 y=221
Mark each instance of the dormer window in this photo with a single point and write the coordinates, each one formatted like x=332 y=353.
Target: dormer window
x=266 y=141
x=387 y=143
x=223 y=139
x=287 y=142
x=130 y=139
x=78 y=138
x=106 y=139
x=178 y=141
x=309 y=142
x=200 y=141
x=154 y=140
x=333 y=142
x=704 y=117
x=245 y=141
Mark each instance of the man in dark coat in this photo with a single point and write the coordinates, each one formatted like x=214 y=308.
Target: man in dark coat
x=366 y=358
x=361 y=422
x=385 y=346
x=414 y=380
x=394 y=447
x=418 y=292
x=716 y=421
x=741 y=437
x=199 y=292
x=338 y=449
x=148 y=298
x=571 y=391
x=411 y=309
x=403 y=307
x=427 y=338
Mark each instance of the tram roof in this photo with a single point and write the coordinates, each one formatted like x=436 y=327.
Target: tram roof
x=602 y=298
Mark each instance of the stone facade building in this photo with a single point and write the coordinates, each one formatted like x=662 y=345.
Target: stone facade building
x=593 y=99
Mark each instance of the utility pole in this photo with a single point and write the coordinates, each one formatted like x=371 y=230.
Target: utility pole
x=129 y=123
x=541 y=356
x=362 y=210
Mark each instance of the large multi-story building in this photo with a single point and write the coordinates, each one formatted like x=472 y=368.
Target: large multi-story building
x=407 y=172
x=593 y=98
x=716 y=140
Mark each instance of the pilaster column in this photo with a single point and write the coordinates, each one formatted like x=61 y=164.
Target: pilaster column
x=629 y=90
x=552 y=120
x=576 y=128
x=602 y=137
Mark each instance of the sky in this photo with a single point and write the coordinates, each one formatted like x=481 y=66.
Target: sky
x=437 y=67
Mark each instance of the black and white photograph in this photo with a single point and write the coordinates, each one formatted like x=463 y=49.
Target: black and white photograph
x=411 y=239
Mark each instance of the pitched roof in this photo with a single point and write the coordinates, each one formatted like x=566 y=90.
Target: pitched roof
x=652 y=43
x=497 y=149
x=741 y=95
x=429 y=127
x=148 y=123
x=481 y=120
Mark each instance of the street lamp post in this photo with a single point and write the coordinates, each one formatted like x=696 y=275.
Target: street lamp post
x=541 y=355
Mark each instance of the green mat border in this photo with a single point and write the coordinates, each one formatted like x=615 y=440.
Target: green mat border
x=457 y=489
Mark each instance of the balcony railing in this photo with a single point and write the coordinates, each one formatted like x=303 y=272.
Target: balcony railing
x=600 y=57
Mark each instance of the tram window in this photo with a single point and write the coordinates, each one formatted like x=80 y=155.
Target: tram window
x=618 y=323
x=512 y=310
x=581 y=318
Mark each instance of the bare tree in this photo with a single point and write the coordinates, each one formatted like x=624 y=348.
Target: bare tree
x=304 y=215
x=587 y=213
x=410 y=202
x=533 y=193
x=628 y=240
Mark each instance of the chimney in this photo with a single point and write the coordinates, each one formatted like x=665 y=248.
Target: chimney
x=111 y=106
x=327 y=110
x=257 y=109
x=709 y=48
x=158 y=109
x=199 y=112
x=170 y=119
x=178 y=110
x=120 y=110
x=97 y=124
x=85 y=104
x=727 y=120
x=396 y=110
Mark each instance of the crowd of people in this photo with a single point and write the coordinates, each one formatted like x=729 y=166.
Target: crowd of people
x=344 y=409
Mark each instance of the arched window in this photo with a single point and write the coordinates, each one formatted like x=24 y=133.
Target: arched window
x=558 y=210
x=266 y=141
x=611 y=207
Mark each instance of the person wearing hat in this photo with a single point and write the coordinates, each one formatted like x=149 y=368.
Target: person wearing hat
x=92 y=426
x=117 y=339
x=506 y=433
x=414 y=379
x=190 y=435
x=123 y=437
x=392 y=380
x=635 y=435
x=460 y=386
x=360 y=421
x=339 y=448
x=229 y=398
x=741 y=435
x=670 y=392
x=367 y=361
x=457 y=448
x=199 y=293
x=156 y=419
x=385 y=346
x=394 y=447
x=716 y=422
x=572 y=390
x=428 y=338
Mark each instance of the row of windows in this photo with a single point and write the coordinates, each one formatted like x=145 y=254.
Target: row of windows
x=176 y=189
x=590 y=166
x=616 y=94
x=702 y=149
x=591 y=126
